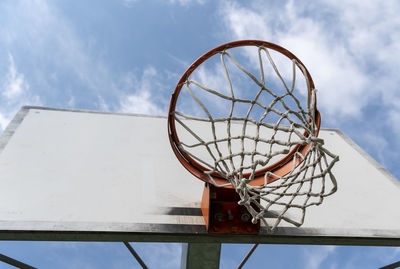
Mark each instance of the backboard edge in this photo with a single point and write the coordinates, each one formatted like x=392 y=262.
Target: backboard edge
x=368 y=157
x=9 y=131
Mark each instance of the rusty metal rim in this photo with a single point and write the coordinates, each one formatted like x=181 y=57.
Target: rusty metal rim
x=281 y=167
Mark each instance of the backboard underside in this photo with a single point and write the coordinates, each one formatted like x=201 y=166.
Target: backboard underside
x=97 y=176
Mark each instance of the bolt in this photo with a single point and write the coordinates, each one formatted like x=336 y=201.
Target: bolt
x=230 y=216
x=219 y=216
x=245 y=217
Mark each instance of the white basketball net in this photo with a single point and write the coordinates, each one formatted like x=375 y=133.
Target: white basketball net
x=288 y=197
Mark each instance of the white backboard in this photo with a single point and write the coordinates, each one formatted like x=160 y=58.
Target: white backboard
x=98 y=176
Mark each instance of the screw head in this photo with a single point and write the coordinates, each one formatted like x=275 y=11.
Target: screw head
x=219 y=216
x=245 y=217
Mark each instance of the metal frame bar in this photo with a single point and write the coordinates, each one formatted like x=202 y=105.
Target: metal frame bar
x=192 y=237
x=391 y=266
x=134 y=254
x=15 y=263
x=247 y=256
x=200 y=255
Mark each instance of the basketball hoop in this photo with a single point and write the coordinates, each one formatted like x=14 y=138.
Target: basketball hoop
x=275 y=165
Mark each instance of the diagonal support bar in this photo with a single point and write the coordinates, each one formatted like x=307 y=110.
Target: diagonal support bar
x=247 y=256
x=15 y=263
x=391 y=266
x=134 y=253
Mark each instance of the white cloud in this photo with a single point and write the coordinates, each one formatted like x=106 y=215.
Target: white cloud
x=142 y=101
x=315 y=256
x=391 y=256
x=187 y=2
x=372 y=257
x=102 y=104
x=394 y=119
x=3 y=122
x=61 y=55
x=376 y=144
x=14 y=93
x=15 y=83
x=56 y=51
x=245 y=23
x=130 y=3
x=213 y=78
x=163 y=255
x=350 y=55
x=71 y=101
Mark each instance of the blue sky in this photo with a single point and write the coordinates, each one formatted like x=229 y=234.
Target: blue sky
x=127 y=55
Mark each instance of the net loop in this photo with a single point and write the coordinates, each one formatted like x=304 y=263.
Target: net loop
x=279 y=196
